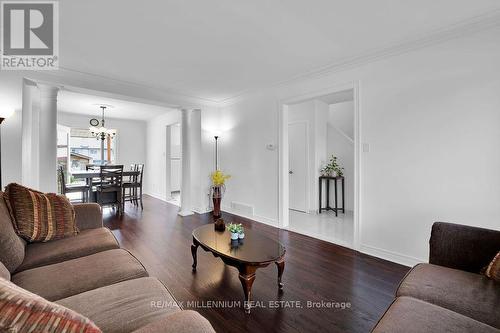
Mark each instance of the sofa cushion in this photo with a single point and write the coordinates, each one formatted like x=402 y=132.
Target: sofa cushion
x=409 y=315
x=493 y=270
x=11 y=245
x=75 y=276
x=40 y=217
x=472 y=295
x=22 y=311
x=87 y=242
x=4 y=272
x=179 y=322
x=88 y=216
x=125 y=306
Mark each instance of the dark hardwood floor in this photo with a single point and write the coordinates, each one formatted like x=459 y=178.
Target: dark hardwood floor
x=315 y=271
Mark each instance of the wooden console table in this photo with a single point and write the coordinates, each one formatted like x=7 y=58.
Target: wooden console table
x=328 y=179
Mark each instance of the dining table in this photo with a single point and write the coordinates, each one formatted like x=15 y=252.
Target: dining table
x=91 y=174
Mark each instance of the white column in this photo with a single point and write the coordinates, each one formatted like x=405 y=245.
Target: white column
x=195 y=148
x=186 y=164
x=47 y=138
x=29 y=160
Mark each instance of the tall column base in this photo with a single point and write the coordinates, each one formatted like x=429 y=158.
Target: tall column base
x=185 y=213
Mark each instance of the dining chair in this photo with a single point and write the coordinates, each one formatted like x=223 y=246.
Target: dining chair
x=134 y=187
x=109 y=190
x=72 y=188
x=128 y=188
x=92 y=167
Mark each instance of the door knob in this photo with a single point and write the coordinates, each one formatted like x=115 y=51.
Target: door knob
x=290 y=172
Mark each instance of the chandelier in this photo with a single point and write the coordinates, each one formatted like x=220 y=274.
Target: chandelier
x=101 y=132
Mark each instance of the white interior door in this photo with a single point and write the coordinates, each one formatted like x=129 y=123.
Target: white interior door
x=297 y=141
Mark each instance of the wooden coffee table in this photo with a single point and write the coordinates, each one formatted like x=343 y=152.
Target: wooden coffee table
x=254 y=251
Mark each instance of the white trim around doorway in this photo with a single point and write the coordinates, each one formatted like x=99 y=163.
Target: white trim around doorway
x=283 y=186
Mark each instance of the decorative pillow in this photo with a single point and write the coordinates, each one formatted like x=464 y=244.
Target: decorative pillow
x=22 y=311
x=40 y=217
x=493 y=270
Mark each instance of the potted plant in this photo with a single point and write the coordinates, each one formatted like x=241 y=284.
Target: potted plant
x=234 y=229
x=241 y=232
x=332 y=168
x=217 y=190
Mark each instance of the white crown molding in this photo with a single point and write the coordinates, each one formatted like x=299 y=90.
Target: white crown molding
x=463 y=28
x=90 y=83
x=141 y=85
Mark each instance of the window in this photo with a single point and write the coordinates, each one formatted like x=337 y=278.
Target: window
x=86 y=149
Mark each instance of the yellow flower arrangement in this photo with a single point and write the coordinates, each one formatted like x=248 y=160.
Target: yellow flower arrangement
x=219 y=178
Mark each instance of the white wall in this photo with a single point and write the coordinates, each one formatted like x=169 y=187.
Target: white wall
x=130 y=137
x=320 y=157
x=246 y=129
x=341 y=115
x=340 y=144
x=431 y=118
x=156 y=169
x=315 y=114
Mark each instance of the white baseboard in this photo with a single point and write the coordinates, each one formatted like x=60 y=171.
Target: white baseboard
x=391 y=256
x=260 y=219
x=156 y=196
x=323 y=238
x=162 y=198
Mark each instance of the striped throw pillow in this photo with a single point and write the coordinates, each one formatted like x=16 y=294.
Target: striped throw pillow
x=22 y=311
x=493 y=270
x=40 y=217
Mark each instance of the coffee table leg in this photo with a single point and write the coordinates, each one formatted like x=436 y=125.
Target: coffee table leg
x=247 y=277
x=281 y=267
x=194 y=249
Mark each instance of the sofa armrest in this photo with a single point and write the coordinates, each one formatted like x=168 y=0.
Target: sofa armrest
x=179 y=322
x=88 y=216
x=462 y=247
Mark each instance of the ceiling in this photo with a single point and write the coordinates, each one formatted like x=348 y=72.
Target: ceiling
x=71 y=102
x=217 y=49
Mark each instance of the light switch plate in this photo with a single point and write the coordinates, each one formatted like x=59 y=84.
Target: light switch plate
x=271 y=146
x=366 y=147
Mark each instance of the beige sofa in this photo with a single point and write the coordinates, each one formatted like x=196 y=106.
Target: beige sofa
x=92 y=275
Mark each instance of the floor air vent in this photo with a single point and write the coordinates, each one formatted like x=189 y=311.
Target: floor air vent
x=242 y=208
